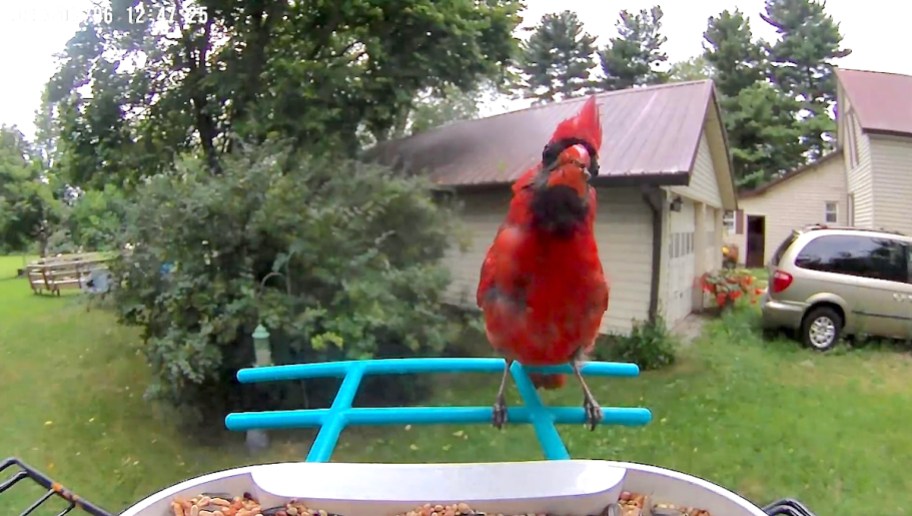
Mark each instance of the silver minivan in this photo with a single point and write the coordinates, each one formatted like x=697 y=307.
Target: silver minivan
x=826 y=282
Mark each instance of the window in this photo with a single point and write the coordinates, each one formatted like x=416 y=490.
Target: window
x=857 y=255
x=728 y=221
x=783 y=247
x=829 y=212
x=851 y=141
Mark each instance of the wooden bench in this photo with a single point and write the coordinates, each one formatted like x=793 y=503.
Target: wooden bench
x=58 y=273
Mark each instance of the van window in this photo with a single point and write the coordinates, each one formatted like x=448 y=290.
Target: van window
x=857 y=255
x=783 y=247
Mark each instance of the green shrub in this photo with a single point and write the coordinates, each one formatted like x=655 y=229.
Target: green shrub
x=359 y=246
x=649 y=345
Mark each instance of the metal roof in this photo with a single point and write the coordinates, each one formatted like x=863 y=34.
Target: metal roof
x=649 y=133
x=882 y=101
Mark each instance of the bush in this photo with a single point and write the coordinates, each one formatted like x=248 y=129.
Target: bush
x=728 y=287
x=650 y=346
x=358 y=246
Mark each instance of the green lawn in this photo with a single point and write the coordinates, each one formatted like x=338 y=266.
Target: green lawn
x=765 y=419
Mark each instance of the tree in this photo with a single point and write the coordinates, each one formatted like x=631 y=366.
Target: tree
x=737 y=60
x=556 y=61
x=182 y=120
x=694 y=69
x=95 y=218
x=761 y=121
x=28 y=208
x=764 y=122
x=433 y=109
x=437 y=110
x=635 y=56
x=241 y=71
x=802 y=64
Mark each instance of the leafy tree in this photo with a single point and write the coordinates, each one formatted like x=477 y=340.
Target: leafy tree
x=694 y=69
x=28 y=208
x=358 y=246
x=635 y=56
x=802 y=64
x=186 y=137
x=433 y=109
x=556 y=61
x=452 y=106
x=95 y=219
x=760 y=120
x=237 y=70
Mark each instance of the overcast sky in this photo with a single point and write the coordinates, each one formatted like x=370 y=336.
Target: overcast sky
x=32 y=31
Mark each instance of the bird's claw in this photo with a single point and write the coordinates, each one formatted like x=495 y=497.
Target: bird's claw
x=499 y=415
x=594 y=414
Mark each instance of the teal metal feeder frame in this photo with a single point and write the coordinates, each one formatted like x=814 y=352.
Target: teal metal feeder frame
x=332 y=421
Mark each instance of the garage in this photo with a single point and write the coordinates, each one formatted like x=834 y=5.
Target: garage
x=680 y=262
x=663 y=158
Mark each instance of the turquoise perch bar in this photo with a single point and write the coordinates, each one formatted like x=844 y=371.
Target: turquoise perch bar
x=341 y=414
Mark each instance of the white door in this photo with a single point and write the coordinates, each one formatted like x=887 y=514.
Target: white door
x=680 y=264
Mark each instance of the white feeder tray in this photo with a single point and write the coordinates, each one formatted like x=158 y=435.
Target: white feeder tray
x=567 y=487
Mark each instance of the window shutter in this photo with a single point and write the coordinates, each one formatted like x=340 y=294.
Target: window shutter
x=739 y=222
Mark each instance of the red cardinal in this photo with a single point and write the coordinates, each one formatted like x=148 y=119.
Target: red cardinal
x=542 y=288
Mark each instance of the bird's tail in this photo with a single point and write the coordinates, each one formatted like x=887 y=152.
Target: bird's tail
x=548 y=381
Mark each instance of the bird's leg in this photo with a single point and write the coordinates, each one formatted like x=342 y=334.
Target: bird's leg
x=500 y=402
x=592 y=408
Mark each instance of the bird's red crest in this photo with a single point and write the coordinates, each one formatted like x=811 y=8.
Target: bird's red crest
x=585 y=125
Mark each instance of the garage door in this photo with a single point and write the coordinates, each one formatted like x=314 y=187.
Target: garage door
x=680 y=264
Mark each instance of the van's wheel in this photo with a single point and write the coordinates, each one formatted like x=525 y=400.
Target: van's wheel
x=820 y=328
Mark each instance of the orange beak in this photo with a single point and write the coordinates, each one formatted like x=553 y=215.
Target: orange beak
x=572 y=170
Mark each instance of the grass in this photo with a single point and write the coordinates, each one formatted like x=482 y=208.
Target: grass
x=766 y=419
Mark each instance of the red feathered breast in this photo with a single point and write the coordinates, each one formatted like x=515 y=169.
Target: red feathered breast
x=543 y=296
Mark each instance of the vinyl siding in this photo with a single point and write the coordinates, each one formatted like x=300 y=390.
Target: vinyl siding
x=891 y=159
x=859 y=178
x=704 y=186
x=623 y=231
x=794 y=203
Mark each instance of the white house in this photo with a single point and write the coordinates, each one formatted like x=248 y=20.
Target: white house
x=865 y=182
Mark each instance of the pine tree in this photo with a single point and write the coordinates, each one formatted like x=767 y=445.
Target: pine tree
x=557 y=59
x=764 y=134
x=635 y=56
x=761 y=121
x=737 y=61
x=802 y=64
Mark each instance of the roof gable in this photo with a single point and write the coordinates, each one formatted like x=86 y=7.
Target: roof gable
x=649 y=133
x=882 y=101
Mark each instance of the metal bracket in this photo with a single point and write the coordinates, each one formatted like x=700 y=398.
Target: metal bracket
x=24 y=471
